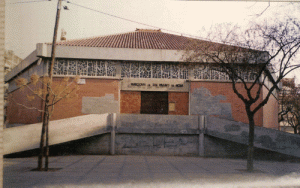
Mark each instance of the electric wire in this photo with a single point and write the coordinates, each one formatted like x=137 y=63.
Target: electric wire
x=22 y=2
x=172 y=31
x=126 y=19
x=122 y=18
x=119 y=17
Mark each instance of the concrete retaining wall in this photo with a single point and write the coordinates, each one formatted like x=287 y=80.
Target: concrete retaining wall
x=160 y=124
x=270 y=139
x=152 y=134
x=157 y=144
x=193 y=135
x=27 y=137
x=157 y=134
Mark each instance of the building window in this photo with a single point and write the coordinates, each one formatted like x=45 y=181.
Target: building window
x=154 y=70
x=98 y=68
x=213 y=72
x=84 y=68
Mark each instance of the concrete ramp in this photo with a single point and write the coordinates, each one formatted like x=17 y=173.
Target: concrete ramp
x=27 y=137
x=270 y=139
x=152 y=134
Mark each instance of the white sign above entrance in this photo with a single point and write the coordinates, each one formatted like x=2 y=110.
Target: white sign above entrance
x=154 y=85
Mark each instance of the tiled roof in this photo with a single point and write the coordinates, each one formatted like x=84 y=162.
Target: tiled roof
x=139 y=39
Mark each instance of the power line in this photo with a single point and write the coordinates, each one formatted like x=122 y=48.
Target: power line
x=134 y=21
x=113 y=15
x=22 y=2
x=119 y=17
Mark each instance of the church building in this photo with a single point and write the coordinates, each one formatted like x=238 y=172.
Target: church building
x=139 y=72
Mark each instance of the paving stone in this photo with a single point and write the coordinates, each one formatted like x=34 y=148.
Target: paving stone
x=137 y=171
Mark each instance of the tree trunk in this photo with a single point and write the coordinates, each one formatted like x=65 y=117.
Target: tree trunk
x=47 y=145
x=41 y=154
x=250 y=142
x=44 y=126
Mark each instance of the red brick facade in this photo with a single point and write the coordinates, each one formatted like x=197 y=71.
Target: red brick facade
x=92 y=88
x=237 y=106
x=130 y=102
x=22 y=111
x=64 y=109
x=270 y=111
x=181 y=101
x=135 y=72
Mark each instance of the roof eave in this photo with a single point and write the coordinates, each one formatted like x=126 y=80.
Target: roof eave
x=29 y=60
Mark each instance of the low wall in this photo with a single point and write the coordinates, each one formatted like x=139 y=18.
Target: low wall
x=151 y=134
x=269 y=139
x=157 y=134
x=156 y=144
x=27 y=137
x=160 y=124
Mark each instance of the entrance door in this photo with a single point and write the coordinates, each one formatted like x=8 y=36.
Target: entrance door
x=154 y=102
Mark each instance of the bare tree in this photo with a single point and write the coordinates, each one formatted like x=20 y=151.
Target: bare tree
x=50 y=94
x=254 y=58
x=289 y=99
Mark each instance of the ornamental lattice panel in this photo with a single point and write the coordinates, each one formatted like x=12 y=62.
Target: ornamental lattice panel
x=153 y=70
x=97 y=68
x=212 y=72
x=84 y=68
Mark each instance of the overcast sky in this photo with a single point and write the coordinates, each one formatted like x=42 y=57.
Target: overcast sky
x=30 y=23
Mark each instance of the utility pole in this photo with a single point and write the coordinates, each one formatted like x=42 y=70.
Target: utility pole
x=50 y=71
x=46 y=115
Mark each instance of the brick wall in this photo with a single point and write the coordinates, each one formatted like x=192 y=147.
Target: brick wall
x=237 y=106
x=20 y=110
x=181 y=101
x=270 y=112
x=64 y=109
x=130 y=102
x=92 y=88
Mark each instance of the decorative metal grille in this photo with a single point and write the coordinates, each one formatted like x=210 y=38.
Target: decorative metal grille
x=125 y=70
x=175 y=71
x=111 y=69
x=134 y=70
x=146 y=70
x=61 y=67
x=154 y=70
x=100 y=69
x=91 y=68
x=212 y=72
x=84 y=68
x=72 y=68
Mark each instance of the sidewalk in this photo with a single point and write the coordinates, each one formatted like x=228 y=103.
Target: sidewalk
x=148 y=171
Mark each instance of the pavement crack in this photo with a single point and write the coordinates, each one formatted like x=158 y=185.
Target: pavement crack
x=58 y=158
x=149 y=169
x=176 y=168
x=194 y=163
x=74 y=162
x=95 y=166
x=121 y=169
